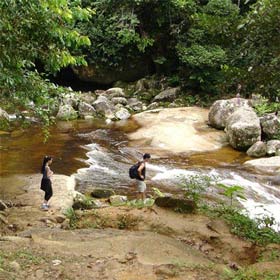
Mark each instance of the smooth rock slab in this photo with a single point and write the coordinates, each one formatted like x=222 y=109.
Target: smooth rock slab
x=176 y=130
x=265 y=165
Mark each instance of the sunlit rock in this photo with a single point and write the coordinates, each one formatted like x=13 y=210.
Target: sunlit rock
x=122 y=114
x=222 y=109
x=176 y=130
x=243 y=128
x=269 y=165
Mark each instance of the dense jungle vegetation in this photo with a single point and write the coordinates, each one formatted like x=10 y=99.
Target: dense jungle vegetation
x=208 y=47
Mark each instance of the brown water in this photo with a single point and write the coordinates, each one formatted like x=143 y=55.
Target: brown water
x=99 y=155
x=23 y=150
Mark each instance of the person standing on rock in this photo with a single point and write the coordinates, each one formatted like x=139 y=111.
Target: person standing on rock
x=141 y=185
x=46 y=183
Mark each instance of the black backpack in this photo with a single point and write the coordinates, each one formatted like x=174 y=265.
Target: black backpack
x=133 y=171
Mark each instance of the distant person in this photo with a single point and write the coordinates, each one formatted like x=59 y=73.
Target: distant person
x=46 y=183
x=141 y=185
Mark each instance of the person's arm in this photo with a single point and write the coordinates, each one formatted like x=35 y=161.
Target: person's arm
x=49 y=172
x=140 y=168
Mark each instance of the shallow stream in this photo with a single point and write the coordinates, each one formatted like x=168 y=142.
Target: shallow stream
x=100 y=154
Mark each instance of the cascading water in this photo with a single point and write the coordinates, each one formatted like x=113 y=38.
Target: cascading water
x=109 y=158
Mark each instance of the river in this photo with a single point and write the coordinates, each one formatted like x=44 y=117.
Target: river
x=100 y=154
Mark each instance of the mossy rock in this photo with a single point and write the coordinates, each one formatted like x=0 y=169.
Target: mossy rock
x=177 y=204
x=102 y=193
x=85 y=204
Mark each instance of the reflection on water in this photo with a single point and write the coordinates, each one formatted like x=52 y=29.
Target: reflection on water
x=22 y=153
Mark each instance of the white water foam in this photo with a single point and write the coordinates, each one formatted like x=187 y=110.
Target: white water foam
x=269 y=204
x=260 y=203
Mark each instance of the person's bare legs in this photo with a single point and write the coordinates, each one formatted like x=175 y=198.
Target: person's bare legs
x=141 y=195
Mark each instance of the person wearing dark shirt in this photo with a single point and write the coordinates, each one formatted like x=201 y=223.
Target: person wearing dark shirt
x=46 y=183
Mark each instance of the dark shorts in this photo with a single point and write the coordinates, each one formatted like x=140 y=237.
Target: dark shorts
x=46 y=185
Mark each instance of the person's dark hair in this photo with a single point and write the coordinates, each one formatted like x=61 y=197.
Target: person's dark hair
x=45 y=160
x=145 y=156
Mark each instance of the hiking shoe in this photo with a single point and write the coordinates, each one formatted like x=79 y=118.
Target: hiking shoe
x=45 y=207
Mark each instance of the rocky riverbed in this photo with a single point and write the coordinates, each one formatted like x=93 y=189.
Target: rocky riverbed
x=120 y=243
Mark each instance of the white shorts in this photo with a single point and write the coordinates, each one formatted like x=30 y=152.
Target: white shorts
x=141 y=186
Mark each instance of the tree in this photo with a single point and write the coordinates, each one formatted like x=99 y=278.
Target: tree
x=125 y=30
x=259 y=57
x=32 y=31
x=207 y=46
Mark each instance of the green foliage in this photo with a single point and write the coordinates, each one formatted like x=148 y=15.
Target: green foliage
x=157 y=192
x=122 y=31
x=265 y=107
x=201 y=56
x=270 y=256
x=72 y=216
x=149 y=202
x=194 y=186
x=205 y=47
x=34 y=31
x=232 y=191
x=250 y=274
x=25 y=258
x=127 y=221
x=259 y=50
x=258 y=231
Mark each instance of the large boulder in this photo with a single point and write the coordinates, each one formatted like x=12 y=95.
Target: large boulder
x=70 y=98
x=178 y=204
x=88 y=97
x=86 y=109
x=243 y=128
x=119 y=100
x=169 y=95
x=222 y=109
x=257 y=150
x=273 y=146
x=66 y=112
x=104 y=106
x=115 y=92
x=135 y=104
x=270 y=124
x=122 y=114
